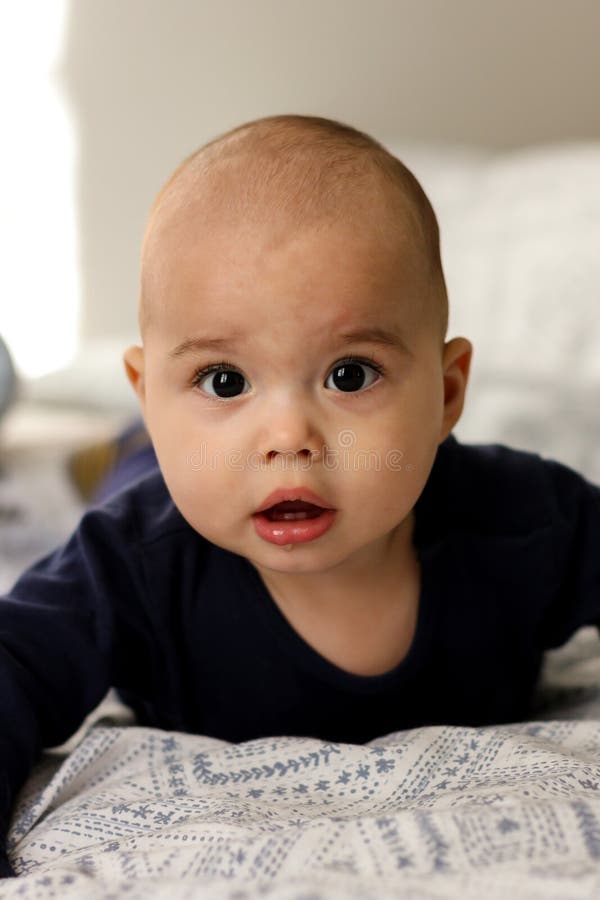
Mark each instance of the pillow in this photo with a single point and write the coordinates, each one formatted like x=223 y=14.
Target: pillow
x=520 y=235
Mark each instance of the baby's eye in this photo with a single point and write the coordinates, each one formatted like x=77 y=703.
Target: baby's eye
x=349 y=375
x=220 y=381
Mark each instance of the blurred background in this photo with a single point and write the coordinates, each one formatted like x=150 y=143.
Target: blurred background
x=103 y=99
x=493 y=105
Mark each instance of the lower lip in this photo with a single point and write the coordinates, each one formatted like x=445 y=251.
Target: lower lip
x=295 y=531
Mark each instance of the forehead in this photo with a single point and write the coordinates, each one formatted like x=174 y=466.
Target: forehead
x=330 y=275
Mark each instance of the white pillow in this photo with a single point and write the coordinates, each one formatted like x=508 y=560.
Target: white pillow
x=520 y=234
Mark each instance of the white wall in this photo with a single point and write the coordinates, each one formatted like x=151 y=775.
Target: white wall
x=150 y=80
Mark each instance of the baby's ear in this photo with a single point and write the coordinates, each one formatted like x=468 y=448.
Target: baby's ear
x=457 y=363
x=133 y=359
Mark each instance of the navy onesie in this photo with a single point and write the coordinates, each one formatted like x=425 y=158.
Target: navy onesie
x=509 y=546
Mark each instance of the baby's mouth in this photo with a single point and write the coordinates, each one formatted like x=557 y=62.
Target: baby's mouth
x=289 y=510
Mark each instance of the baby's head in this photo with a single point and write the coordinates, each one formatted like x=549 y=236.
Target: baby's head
x=293 y=314
x=284 y=174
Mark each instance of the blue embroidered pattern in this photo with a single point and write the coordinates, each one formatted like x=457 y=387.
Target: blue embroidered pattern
x=440 y=811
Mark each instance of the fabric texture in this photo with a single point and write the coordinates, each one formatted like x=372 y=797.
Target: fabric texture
x=444 y=812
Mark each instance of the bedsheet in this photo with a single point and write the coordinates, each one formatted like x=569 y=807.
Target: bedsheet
x=435 y=812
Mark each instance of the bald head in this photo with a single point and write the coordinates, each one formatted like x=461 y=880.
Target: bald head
x=294 y=172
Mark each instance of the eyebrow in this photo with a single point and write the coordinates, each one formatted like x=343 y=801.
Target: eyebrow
x=382 y=336
x=193 y=345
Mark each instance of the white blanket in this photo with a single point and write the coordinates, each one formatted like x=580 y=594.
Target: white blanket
x=509 y=811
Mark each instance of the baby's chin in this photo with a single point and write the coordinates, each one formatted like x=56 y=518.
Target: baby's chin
x=303 y=559
x=297 y=559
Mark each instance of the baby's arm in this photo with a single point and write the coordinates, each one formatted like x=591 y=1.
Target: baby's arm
x=68 y=631
x=574 y=515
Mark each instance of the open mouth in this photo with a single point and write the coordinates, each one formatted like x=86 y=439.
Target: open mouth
x=293 y=521
x=291 y=510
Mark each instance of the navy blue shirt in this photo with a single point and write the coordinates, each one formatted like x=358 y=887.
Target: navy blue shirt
x=509 y=546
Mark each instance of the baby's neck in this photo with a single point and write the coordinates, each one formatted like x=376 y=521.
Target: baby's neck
x=367 y=582
x=362 y=621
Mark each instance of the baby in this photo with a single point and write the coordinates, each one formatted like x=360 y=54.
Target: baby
x=316 y=554
x=293 y=376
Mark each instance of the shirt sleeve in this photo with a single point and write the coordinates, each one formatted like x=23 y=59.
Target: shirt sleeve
x=575 y=522
x=72 y=625
x=6 y=870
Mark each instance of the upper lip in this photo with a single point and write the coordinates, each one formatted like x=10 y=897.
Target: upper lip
x=301 y=493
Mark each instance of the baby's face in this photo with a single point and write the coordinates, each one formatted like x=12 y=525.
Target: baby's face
x=325 y=382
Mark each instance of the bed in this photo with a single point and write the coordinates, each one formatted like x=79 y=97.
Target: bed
x=433 y=812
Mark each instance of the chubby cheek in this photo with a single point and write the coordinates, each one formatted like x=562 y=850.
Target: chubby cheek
x=384 y=495
x=175 y=436
x=185 y=464
x=206 y=497
x=387 y=472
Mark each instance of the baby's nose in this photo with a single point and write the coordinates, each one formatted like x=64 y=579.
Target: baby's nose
x=291 y=429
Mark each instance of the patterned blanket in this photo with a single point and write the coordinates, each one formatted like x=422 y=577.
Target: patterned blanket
x=435 y=812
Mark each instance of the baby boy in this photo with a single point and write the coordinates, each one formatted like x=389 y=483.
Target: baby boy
x=316 y=554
